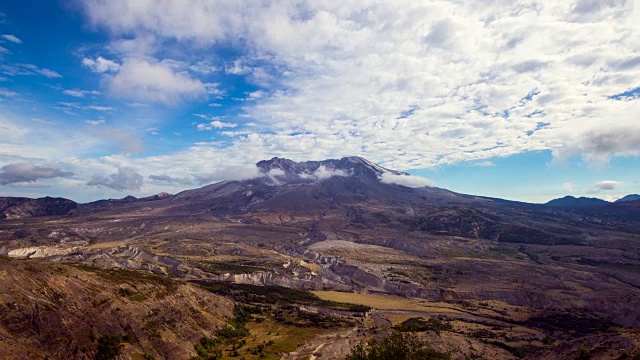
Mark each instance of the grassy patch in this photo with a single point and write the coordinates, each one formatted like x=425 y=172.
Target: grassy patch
x=519 y=352
x=609 y=265
x=284 y=320
x=567 y=324
x=107 y=244
x=411 y=273
x=297 y=316
x=231 y=335
x=419 y=324
x=122 y=276
x=131 y=294
x=343 y=306
x=277 y=295
x=260 y=337
x=384 y=302
x=276 y=338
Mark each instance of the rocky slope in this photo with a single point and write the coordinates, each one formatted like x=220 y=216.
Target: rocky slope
x=614 y=345
x=61 y=311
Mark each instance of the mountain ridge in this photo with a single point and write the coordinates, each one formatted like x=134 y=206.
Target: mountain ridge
x=305 y=186
x=571 y=201
x=630 y=197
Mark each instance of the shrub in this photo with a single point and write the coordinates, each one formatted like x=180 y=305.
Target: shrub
x=624 y=354
x=109 y=347
x=397 y=346
x=207 y=349
x=584 y=353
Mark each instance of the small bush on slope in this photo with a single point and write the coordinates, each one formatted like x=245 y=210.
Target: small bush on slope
x=109 y=347
x=397 y=346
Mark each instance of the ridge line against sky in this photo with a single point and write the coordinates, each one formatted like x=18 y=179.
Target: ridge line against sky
x=525 y=100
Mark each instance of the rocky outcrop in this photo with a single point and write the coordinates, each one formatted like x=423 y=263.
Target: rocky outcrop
x=302 y=281
x=124 y=257
x=35 y=252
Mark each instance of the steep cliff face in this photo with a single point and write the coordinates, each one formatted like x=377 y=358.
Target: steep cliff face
x=35 y=252
x=302 y=281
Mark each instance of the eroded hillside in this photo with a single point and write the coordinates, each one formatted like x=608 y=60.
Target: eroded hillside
x=61 y=311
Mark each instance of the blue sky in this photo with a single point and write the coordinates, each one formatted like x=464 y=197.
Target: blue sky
x=521 y=100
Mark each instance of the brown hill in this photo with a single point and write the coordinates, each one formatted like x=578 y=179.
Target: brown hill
x=61 y=311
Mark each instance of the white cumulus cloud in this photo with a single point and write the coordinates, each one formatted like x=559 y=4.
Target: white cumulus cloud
x=153 y=81
x=215 y=124
x=323 y=172
x=405 y=180
x=443 y=81
x=100 y=64
x=230 y=173
x=29 y=173
x=606 y=185
x=124 y=179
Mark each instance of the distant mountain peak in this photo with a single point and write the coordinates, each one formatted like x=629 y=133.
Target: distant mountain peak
x=371 y=165
x=571 y=201
x=286 y=169
x=630 y=197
